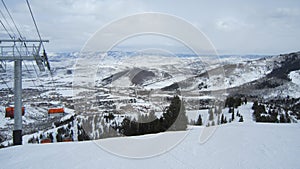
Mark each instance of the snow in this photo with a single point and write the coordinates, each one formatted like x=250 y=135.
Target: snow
x=3 y=120
x=232 y=146
x=295 y=77
x=239 y=73
x=288 y=89
x=194 y=115
x=166 y=82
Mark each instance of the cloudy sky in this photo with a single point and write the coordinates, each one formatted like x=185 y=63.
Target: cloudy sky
x=233 y=26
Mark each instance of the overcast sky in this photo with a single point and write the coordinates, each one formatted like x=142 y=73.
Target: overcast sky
x=234 y=27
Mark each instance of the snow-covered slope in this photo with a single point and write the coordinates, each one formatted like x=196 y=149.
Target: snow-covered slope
x=295 y=77
x=236 y=146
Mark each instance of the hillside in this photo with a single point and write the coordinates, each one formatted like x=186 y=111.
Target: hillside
x=235 y=146
x=126 y=86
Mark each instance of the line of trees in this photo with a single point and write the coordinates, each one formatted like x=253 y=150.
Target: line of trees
x=234 y=102
x=174 y=119
x=271 y=116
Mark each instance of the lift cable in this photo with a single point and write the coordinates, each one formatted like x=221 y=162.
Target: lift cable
x=38 y=32
x=18 y=50
x=36 y=27
x=10 y=90
x=21 y=38
x=35 y=70
x=3 y=16
x=44 y=51
x=39 y=80
x=11 y=19
x=6 y=30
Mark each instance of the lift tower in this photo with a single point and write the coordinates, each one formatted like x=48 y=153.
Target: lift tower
x=19 y=50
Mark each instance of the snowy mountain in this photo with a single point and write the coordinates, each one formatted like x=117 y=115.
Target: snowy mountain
x=97 y=98
x=191 y=73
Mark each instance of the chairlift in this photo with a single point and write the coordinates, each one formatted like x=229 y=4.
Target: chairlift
x=9 y=112
x=56 y=111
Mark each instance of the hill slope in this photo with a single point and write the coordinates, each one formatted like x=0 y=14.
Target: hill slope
x=234 y=146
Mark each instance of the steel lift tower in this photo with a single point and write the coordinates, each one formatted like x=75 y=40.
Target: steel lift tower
x=19 y=50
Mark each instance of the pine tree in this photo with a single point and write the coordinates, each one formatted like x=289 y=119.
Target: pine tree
x=222 y=119
x=238 y=102
x=231 y=110
x=225 y=120
x=59 y=137
x=208 y=124
x=181 y=120
x=232 y=117
x=241 y=119
x=192 y=122
x=255 y=105
x=175 y=116
x=199 y=121
x=287 y=117
x=125 y=129
x=282 y=119
x=210 y=114
x=229 y=102
x=51 y=137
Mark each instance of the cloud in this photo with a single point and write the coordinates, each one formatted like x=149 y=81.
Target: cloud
x=230 y=24
x=285 y=12
x=69 y=23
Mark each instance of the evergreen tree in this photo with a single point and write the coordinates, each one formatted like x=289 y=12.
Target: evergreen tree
x=126 y=127
x=152 y=116
x=181 y=119
x=174 y=118
x=287 y=117
x=282 y=119
x=232 y=116
x=241 y=119
x=192 y=122
x=255 y=105
x=229 y=102
x=51 y=137
x=59 y=137
x=222 y=119
x=199 y=121
x=231 y=110
x=172 y=113
x=238 y=102
x=208 y=124
x=225 y=120
x=233 y=102
x=210 y=114
x=218 y=119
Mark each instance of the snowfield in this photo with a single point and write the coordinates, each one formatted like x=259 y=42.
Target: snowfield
x=295 y=77
x=232 y=146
